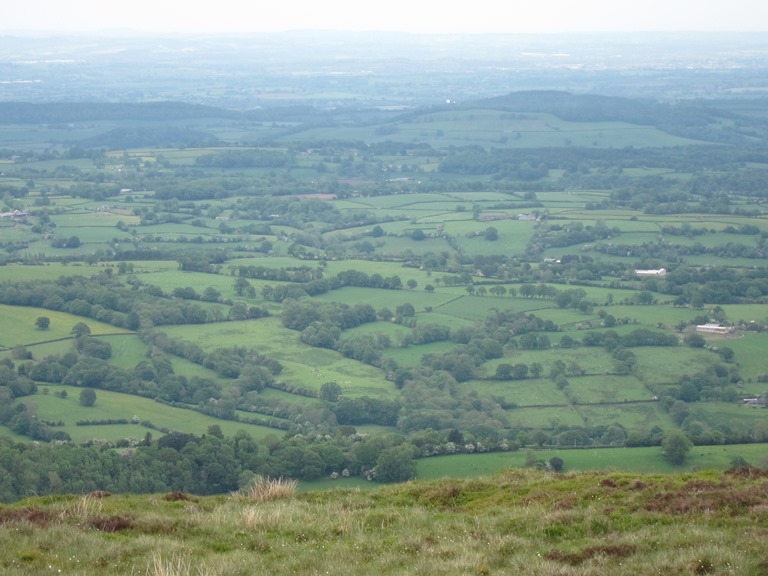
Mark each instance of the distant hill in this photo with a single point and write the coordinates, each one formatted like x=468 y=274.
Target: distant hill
x=698 y=119
x=58 y=112
x=138 y=136
x=578 y=107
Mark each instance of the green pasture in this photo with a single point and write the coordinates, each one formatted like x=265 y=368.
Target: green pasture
x=409 y=201
x=244 y=415
x=443 y=207
x=545 y=417
x=88 y=219
x=172 y=278
x=599 y=388
x=17 y=233
x=477 y=307
x=304 y=365
x=146 y=266
x=6 y=432
x=286 y=398
x=528 y=392
x=93 y=238
x=564 y=317
x=576 y=198
x=732 y=415
x=40 y=351
x=593 y=360
x=513 y=238
x=745 y=312
x=558 y=253
x=718 y=239
x=633 y=416
x=629 y=239
x=453 y=322
x=387 y=328
x=653 y=315
x=449 y=217
x=665 y=365
x=751 y=358
x=312 y=370
x=385 y=269
x=486 y=196
x=411 y=356
x=356 y=234
x=381 y=298
x=127 y=350
x=271 y=262
x=114 y=405
x=397 y=246
x=18 y=325
x=172 y=229
x=265 y=334
x=640 y=460
x=623 y=221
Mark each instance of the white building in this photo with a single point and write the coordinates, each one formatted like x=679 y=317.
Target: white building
x=660 y=272
x=714 y=329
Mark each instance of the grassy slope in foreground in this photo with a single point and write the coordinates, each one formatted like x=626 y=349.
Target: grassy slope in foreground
x=520 y=522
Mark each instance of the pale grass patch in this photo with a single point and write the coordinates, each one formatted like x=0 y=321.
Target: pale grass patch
x=264 y=489
x=269 y=517
x=176 y=565
x=82 y=509
x=709 y=557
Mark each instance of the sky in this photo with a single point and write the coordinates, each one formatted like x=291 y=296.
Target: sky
x=427 y=16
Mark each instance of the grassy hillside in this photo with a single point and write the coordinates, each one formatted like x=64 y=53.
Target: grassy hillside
x=519 y=522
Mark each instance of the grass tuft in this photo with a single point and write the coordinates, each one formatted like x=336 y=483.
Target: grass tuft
x=265 y=489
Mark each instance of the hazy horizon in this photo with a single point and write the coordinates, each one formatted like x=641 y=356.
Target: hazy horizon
x=544 y=17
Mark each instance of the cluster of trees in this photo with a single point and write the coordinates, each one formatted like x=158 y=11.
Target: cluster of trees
x=557 y=236
x=312 y=284
x=250 y=158
x=321 y=324
x=252 y=369
x=209 y=464
x=132 y=304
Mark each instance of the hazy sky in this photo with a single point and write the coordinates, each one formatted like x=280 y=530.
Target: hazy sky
x=403 y=15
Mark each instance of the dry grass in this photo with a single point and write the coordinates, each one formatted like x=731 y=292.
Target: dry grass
x=176 y=565
x=84 y=509
x=264 y=489
x=535 y=524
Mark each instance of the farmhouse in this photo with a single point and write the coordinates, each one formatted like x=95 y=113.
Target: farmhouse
x=714 y=329
x=758 y=402
x=660 y=272
x=14 y=214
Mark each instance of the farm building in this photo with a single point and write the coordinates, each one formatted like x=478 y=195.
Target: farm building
x=758 y=402
x=14 y=214
x=714 y=329
x=660 y=272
